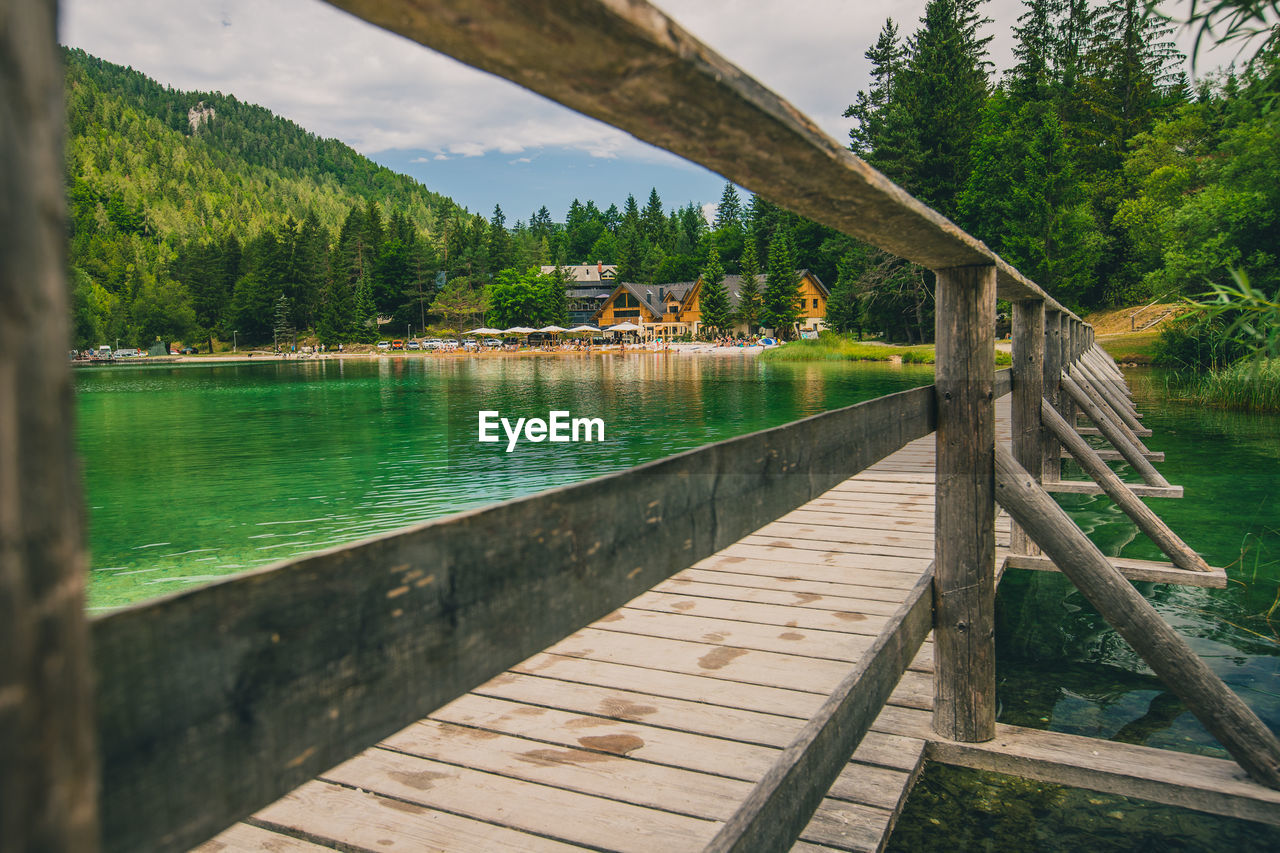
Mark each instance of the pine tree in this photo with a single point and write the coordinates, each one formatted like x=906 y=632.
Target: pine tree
x=749 y=298
x=729 y=211
x=780 y=310
x=844 y=309
x=652 y=220
x=943 y=88
x=364 y=319
x=870 y=108
x=713 y=299
x=1035 y=49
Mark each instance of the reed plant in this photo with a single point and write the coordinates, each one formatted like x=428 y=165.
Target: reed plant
x=1248 y=385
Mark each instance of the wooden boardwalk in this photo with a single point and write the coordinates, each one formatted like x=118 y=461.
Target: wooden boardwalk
x=645 y=730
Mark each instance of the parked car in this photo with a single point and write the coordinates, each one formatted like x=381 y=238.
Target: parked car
x=413 y=345
x=187 y=351
x=397 y=344
x=384 y=345
x=127 y=352
x=492 y=343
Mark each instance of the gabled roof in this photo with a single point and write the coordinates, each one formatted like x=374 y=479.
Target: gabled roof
x=733 y=286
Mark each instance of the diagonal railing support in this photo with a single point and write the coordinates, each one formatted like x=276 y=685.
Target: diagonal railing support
x=1148 y=522
x=1222 y=712
x=1114 y=434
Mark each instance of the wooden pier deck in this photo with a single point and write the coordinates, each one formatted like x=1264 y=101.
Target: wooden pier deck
x=646 y=730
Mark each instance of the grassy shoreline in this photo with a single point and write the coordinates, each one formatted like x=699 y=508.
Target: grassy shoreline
x=834 y=347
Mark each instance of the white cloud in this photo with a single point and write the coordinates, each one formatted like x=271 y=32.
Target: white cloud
x=340 y=77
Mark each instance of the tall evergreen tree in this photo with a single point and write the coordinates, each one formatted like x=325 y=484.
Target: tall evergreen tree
x=844 y=310
x=729 y=211
x=870 y=108
x=749 y=297
x=713 y=299
x=780 y=310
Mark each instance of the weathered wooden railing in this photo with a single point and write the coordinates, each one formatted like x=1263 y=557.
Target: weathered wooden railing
x=211 y=703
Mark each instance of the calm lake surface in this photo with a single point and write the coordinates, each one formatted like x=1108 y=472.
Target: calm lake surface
x=193 y=472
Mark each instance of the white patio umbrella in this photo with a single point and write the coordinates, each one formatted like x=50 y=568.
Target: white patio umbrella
x=623 y=327
x=553 y=328
x=518 y=330
x=483 y=330
x=584 y=328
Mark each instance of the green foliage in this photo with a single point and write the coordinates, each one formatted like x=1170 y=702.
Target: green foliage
x=531 y=298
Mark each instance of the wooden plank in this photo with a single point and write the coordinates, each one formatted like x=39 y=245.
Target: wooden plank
x=852 y=827
x=777 y=810
x=1151 y=571
x=880 y=605
x=1222 y=712
x=544 y=810
x=1142 y=490
x=48 y=762
x=350 y=819
x=735 y=634
x=1114 y=455
x=1180 y=779
x=615 y=703
x=807 y=555
x=626 y=63
x=751 y=666
x=206 y=729
x=1094 y=431
x=692 y=686
x=246 y=838
x=607 y=772
x=854 y=621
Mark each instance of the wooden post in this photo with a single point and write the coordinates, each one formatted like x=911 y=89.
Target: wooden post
x=1148 y=522
x=1051 y=467
x=1028 y=394
x=48 y=764
x=964 y=548
x=1101 y=405
x=1222 y=712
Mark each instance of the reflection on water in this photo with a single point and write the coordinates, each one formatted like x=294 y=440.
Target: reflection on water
x=953 y=810
x=193 y=472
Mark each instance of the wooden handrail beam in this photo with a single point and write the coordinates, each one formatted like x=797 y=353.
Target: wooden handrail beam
x=627 y=63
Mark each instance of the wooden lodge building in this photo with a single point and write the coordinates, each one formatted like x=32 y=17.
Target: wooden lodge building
x=673 y=310
x=588 y=286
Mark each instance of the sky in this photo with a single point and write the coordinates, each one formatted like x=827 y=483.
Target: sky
x=476 y=137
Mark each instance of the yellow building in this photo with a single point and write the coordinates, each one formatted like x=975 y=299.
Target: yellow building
x=672 y=310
